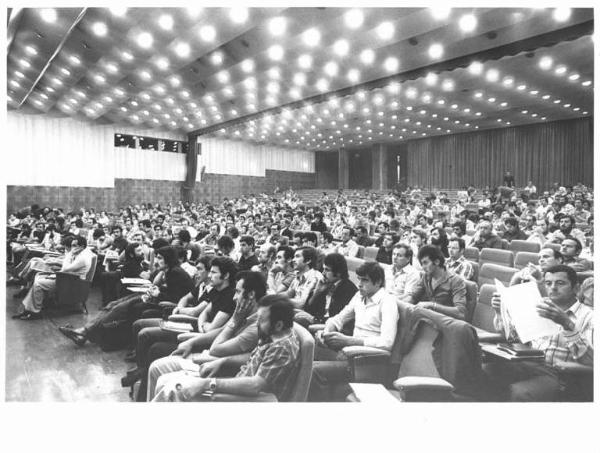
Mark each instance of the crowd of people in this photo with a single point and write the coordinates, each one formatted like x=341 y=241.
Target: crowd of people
x=240 y=273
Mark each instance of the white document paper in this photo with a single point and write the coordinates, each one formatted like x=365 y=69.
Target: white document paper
x=135 y=281
x=372 y=393
x=520 y=302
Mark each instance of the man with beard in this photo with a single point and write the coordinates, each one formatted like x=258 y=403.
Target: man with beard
x=268 y=369
x=384 y=254
x=566 y=227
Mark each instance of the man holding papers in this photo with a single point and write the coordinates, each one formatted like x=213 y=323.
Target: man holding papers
x=571 y=341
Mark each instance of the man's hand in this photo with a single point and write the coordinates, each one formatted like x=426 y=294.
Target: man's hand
x=534 y=271
x=496 y=302
x=428 y=305
x=210 y=369
x=549 y=310
x=184 y=349
x=337 y=340
x=242 y=310
x=190 y=386
x=153 y=291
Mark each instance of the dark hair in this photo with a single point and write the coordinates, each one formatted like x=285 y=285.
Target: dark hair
x=571 y=274
x=362 y=229
x=327 y=236
x=117 y=227
x=79 y=223
x=225 y=242
x=393 y=235
x=556 y=253
x=130 y=251
x=310 y=236
x=373 y=271
x=226 y=266
x=181 y=253
x=578 y=246
x=249 y=240
x=337 y=263
x=431 y=252
x=206 y=261
x=253 y=281
x=146 y=223
x=169 y=254
x=288 y=252
x=462 y=226
x=81 y=241
x=310 y=256
x=461 y=242
x=98 y=233
x=184 y=236
x=350 y=229
x=233 y=232
x=159 y=243
x=280 y=309
x=511 y=221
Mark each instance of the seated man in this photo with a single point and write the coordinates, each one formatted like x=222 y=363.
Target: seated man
x=485 y=238
x=77 y=262
x=348 y=247
x=270 y=367
x=247 y=258
x=307 y=277
x=282 y=273
x=547 y=258
x=384 y=254
x=238 y=336
x=457 y=263
x=375 y=316
x=532 y=381
x=402 y=277
x=566 y=228
x=331 y=295
x=362 y=237
x=570 y=249
x=327 y=246
x=266 y=259
x=438 y=289
x=513 y=231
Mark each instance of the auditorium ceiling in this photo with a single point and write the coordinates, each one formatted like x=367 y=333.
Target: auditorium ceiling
x=305 y=78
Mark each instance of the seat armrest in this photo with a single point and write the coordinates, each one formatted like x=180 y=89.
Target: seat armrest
x=360 y=351
x=314 y=328
x=167 y=304
x=67 y=276
x=421 y=388
x=228 y=398
x=489 y=337
x=574 y=369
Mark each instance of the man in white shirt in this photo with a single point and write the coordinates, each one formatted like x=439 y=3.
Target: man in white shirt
x=401 y=277
x=375 y=316
x=348 y=247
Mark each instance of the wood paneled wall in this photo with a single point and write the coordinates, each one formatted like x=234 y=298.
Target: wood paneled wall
x=560 y=151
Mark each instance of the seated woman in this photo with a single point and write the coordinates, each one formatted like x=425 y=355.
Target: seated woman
x=171 y=284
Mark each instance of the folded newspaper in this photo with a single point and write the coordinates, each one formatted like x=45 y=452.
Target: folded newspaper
x=518 y=308
x=136 y=281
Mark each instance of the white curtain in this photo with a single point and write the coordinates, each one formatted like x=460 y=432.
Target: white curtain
x=232 y=157
x=148 y=164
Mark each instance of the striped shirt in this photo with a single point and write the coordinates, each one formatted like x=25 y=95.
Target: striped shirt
x=303 y=286
x=461 y=267
x=276 y=363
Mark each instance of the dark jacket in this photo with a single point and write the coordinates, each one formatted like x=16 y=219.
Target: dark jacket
x=456 y=352
x=178 y=284
x=383 y=256
x=342 y=294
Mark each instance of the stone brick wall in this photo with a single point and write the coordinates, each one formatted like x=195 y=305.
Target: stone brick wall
x=135 y=191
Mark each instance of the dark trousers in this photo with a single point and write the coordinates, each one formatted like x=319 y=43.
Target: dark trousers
x=522 y=381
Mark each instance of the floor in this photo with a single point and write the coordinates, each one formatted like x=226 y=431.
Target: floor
x=44 y=366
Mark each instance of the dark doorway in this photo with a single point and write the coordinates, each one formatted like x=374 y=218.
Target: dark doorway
x=360 y=169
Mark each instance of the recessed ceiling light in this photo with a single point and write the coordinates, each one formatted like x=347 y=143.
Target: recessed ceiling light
x=19 y=74
x=322 y=85
x=503 y=104
x=24 y=63
x=247 y=65
x=99 y=29
x=118 y=11
x=546 y=63
x=448 y=85
x=492 y=75
x=391 y=64
x=521 y=87
x=331 y=68
x=476 y=68
x=354 y=18
x=112 y=68
x=126 y=56
x=238 y=15
x=305 y=61
x=145 y=40
x=311 y=37
x=467 y=23
x=65 y=71
x=385 y=30
x=436 y=51
x=275 y=52
x=30 y=50
x=431 y=78
x=561 y=14
x=165 y=21
x=48 y=15
x=299 y=78
x=99 y=78
x=277 y=26
x=574 y=77
x=560 y=70
x=182 y=49
x=223 y=76
x=207 y=33
x=508 y=81
x=341 y=47
x=478 y=94
x=367 y=56
x=15 y=84
x=587 y=83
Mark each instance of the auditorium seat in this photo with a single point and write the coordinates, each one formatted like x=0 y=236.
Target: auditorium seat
x=555 y=247
x=71 y=291
x=353 y=264
x=523 y=258
x=471 y=300
x=472 y=254
x=489 y=272
x=370 y=253
x=361 y=252
x=475 y=276
x=524 y=246
x=496 y=256
x=483 y=316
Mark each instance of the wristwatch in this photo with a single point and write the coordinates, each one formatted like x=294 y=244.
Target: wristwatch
x=212 y=387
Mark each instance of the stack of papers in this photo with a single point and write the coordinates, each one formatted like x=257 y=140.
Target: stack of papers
x=372 y=393
x=136 y=282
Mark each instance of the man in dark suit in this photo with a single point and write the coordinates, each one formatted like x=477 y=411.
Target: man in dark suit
x=331 y=295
